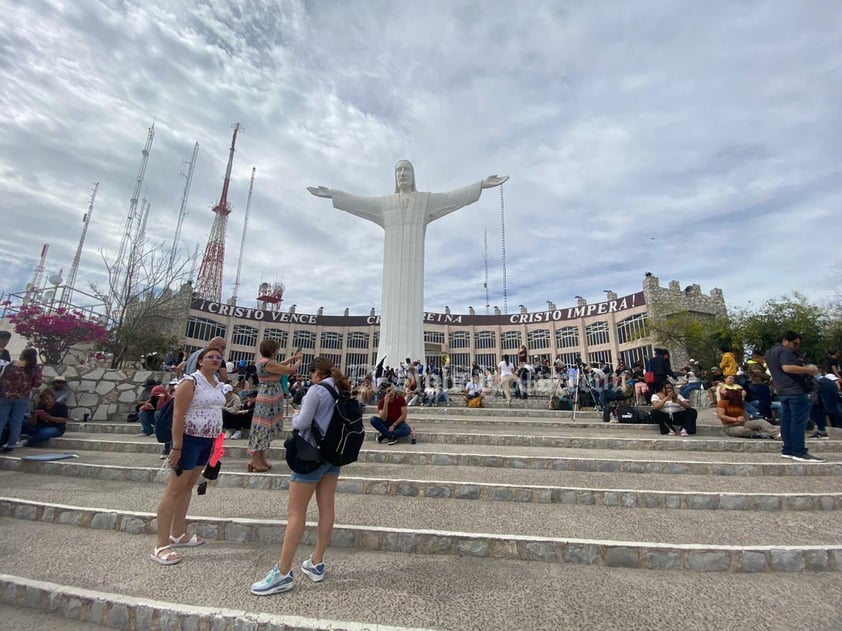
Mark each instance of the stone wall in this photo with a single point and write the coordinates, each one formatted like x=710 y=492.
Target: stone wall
x=102 y=392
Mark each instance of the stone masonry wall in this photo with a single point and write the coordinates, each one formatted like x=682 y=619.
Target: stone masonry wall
x=102 y=392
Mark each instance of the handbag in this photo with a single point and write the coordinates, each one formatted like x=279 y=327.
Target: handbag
x=649 y=376
x=300 y=455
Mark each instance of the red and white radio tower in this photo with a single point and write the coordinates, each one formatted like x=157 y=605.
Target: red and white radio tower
x=209 y=283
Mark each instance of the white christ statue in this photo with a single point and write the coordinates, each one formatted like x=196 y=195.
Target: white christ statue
x=404 y=217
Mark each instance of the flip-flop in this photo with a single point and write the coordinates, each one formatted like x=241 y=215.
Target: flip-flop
x=170 y=558
x=192 y=542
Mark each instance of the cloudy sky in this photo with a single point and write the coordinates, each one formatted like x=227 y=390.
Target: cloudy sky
x=697 y=141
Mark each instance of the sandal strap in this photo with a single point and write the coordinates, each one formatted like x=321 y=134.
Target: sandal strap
x=157 y=551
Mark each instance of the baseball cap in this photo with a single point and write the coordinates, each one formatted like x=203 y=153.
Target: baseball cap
x=227 y=388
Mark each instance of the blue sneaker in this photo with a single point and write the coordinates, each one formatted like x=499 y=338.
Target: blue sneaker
x=274 y=583
x=316 y=572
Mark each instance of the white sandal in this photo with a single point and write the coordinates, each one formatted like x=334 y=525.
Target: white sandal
x=170 y=558
x=192 y=542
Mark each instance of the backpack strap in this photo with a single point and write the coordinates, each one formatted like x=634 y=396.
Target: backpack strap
x=314 y=427
x=330 y=389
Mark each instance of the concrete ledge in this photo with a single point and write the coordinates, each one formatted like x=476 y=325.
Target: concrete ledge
x=419 y=455
x=638 y=555
x=116 y=611
x=624 y=498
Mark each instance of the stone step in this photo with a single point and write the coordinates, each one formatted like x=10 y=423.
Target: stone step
x=740 y=556
x=560 y=459
x=457 y=433
x=713 y=493
x=113 y=579
x=604 y=522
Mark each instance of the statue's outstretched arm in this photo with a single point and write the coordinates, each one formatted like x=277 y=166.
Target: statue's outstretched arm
x=441 y=204
x=370 y=208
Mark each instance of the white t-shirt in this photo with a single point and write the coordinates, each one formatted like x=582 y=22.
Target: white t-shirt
x=506 y=370
x=671 y=407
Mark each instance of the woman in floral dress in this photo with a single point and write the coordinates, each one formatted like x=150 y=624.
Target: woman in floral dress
x=268 y=418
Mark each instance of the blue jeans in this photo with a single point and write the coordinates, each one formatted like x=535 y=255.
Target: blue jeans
x=383 y=427
x=147 y=421
x=687 y=388
x=12 y=412
x=41 y=433
x=761 y=396
x=795 y=409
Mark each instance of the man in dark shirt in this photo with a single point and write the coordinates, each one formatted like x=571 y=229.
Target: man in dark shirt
x=789 y=375
x=5 y=358
x=48 y=421
x=391 y=417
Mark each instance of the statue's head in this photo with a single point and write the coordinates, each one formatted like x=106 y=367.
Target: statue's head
x=404 y=177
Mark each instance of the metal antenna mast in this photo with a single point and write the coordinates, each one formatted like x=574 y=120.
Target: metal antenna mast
x=35 y=285
x=209 y=283
x=137 y=247
x=67 y=293
x=243 y=241
x=182 y=212
x=119 y=285
x=485 y=264
x=503 y=241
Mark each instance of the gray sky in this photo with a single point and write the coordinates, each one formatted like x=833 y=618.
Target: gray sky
x=698 y=141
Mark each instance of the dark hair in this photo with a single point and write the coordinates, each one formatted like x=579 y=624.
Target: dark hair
x=269 y=348
x=724 y=348
x=325 y=368
x=204 y=352
x=5 y=335
x=790 y=336
x=506 y=359
x=47 y=392
x=29 y=357
x=733 y=396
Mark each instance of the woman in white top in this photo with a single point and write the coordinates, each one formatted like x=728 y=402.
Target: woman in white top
x=317 y=406
x=507 y=376
x=196 y=422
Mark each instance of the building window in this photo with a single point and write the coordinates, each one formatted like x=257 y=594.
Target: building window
x=331 y=340
x=510 y=340
x=485 y=340
x=460 y=339
x=632 y=329
x=277 y=334
x=244 y=335
x=567 y=337
x=487 y=360
x=204 y=329
x=236 y=356
x=633 y=356
x=460 y=361
x=356 y=365
x=538 y=339
x=357 y=339
x=597 y=333
x=304 y=339
x=375 y=342
x=434 y=337
x=595 y=357
x=570 y=359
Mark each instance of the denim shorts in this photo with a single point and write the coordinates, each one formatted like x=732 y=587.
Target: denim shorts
x=195 y=452
x=315 y=476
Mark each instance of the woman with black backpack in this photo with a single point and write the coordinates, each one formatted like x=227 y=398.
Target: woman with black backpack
x=316 y=407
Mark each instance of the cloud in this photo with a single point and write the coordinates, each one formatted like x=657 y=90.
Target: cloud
x=696 y=142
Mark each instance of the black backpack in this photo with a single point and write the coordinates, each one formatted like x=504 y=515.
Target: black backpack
x=163 y=418
x=345 y=435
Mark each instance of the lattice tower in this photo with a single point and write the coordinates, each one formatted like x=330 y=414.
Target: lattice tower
x=182 y=212
x=120 y=272
x=37 y=277
x=243 y=241
x=209 y=282
x=503 y=244
x=137 y=250
x=67 y=293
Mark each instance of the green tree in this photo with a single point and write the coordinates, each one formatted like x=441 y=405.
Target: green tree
x=701 y=335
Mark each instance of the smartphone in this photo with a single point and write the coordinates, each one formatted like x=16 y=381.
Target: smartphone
x=297 y=351
x=178 y=470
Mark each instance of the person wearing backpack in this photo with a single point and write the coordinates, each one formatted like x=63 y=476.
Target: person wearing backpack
x=196 y=422
x=317 y=407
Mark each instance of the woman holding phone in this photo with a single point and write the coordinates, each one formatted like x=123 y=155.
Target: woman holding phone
x=196 y=422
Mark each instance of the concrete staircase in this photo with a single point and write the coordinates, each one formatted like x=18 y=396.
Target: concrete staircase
x=515 y=518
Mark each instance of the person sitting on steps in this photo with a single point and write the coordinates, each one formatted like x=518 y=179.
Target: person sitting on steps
x=731 y=413
x=670 y=409
x=390 y=421
x=474 y=390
